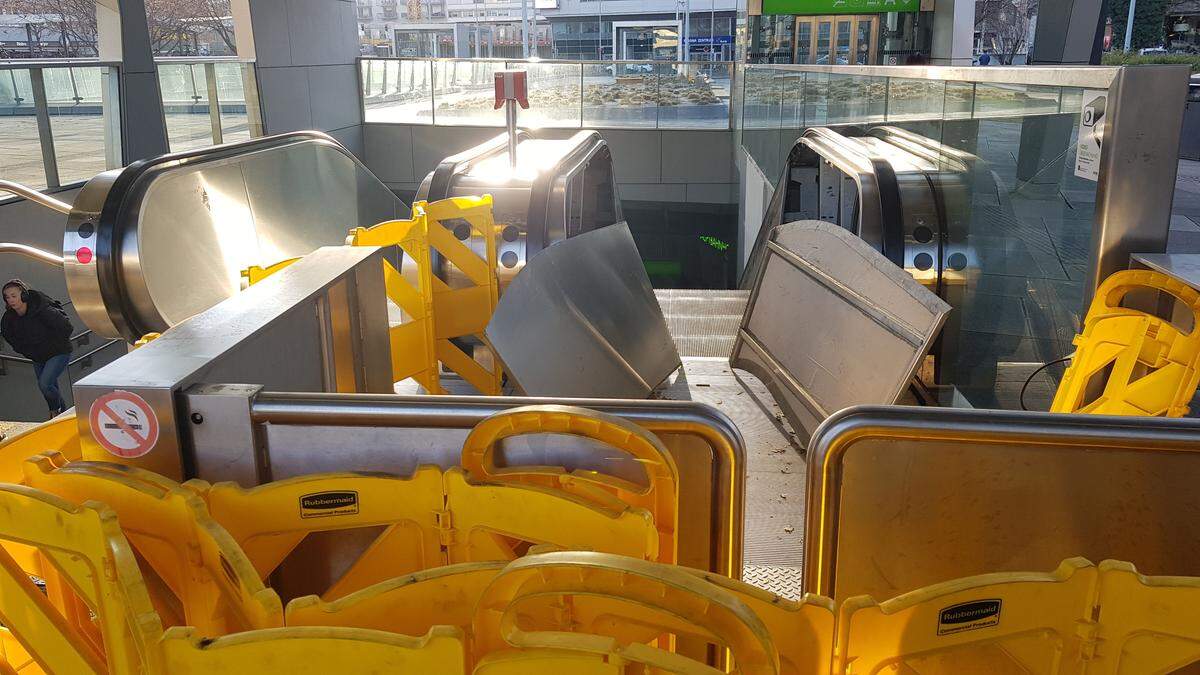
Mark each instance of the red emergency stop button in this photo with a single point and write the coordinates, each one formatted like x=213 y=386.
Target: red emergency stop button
x=84 y=255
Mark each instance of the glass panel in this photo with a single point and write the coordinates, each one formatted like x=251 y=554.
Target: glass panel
x=398 y=91
x=863 y=49
x=824 y=29
x=21 y=160
x=233 y=79
x=855 y=99
x=76 y=100
x=804 y=42
x=1015 y=100
x=761 y=115
x=695 y=95
x=554 y=96
x=960 y=100
x=464 y=93
x=912 y=99
x=185 y=105
x=843 y=43
x=620 y=95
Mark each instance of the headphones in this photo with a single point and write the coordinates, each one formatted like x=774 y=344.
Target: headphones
x=21 y=285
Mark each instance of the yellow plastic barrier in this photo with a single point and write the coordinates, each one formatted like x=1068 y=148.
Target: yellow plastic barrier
x=429 y=520
x=408 y=605
x=635 y=597
x=1132 y=363
x=287 y=511
x=314 y=651
x=14 y=658
x=1145 y=624
x=84 y=545
x=436 y=312
x=211 y=584
x=60 y=434
x=1005 y=622
x=660 y=497
x=255 y=274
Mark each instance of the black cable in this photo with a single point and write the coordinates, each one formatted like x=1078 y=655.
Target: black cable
x=1032 y=375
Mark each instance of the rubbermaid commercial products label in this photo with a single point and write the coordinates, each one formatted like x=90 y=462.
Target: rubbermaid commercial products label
x=968 y=616
x=324 y=504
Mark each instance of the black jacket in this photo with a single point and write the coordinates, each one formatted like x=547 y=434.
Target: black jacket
x=44 y=331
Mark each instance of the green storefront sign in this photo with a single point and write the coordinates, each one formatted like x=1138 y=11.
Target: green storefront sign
x=839 y=6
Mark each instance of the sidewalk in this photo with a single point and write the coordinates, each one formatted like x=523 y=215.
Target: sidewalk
x=1185 y=211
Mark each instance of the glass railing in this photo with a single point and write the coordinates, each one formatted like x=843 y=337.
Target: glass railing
x=780 y=100
x=1019 y=206
x=61 y=121
x=208 y=101
x=567 y=94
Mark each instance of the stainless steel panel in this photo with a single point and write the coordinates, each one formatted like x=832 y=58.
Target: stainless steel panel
x=900 y=498
x=832 y=323
x=270 y=334
x=169 y=237
x=582 y=320
x=1138 y=164
x=305 y=433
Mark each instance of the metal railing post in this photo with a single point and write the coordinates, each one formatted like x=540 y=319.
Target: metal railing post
x=214 y=104
x=45 y=134
x=254 y=119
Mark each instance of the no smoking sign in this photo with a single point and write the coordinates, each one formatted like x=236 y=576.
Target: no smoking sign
x=124 y=424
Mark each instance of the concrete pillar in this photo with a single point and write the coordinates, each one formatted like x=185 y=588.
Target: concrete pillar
x=144 y=132
x=953 y=32
x=1067 y=33
x=306 y=66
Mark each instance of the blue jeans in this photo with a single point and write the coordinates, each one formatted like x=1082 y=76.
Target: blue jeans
x=48 y=373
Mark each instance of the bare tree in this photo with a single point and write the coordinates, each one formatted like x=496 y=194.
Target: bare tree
x=1003 y=26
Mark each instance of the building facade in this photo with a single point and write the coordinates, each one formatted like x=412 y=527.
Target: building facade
x=672 y=30
x=840 y=32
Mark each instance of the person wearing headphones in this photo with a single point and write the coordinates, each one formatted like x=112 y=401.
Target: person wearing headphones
x=37 y=327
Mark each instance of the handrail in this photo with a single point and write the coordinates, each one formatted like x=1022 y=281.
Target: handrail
x=21 y=359
x=535 y=62
x=35 y=196
x=1095 y=77
x=31 y=252
x=23 y=64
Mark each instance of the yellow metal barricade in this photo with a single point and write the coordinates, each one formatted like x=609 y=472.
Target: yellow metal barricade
x=435 y=312
x=1146 y=624
x=996 y=623
x=211 y=584
x=85 y=546
x=660 y=495
x=1129 y=362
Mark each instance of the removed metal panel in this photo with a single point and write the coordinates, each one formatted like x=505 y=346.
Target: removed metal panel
x=150 y=245
x=832 y=323
x=582 y=320
x=900 y=497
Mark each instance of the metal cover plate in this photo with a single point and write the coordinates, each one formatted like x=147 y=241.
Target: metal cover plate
x=581 y=320
x=900 y=497
x=832 y=323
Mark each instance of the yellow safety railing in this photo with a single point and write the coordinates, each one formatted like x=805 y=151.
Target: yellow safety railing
x=1129 y=362
x=437 y=313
